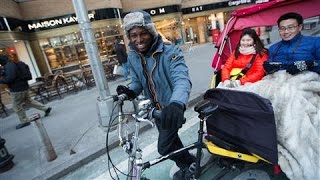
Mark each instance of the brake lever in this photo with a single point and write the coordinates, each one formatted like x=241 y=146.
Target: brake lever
x=143 y=118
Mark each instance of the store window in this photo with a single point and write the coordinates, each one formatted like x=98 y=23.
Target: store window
x=169 y=30
x=196 y=29
x=69 y=50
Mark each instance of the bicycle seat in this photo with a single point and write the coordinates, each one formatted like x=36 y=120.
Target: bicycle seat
x=205 y=108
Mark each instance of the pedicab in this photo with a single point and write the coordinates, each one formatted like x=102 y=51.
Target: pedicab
x=299 y=146
x=257 y=15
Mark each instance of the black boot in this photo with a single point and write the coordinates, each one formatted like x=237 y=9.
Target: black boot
x=47 y=112
x=186 y=173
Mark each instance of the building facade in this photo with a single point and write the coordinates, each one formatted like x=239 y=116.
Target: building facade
x=45 y=33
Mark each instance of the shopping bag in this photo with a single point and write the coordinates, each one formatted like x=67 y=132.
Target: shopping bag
x=117 y=70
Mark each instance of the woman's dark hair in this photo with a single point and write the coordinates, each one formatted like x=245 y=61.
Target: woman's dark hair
x=256 y=42
x=291 y=15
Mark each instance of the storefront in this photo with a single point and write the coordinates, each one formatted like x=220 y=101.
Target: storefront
x=202 y=23
x=61 y=42
x=57 y=43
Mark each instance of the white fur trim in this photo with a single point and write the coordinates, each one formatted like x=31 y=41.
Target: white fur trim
x=296 y=103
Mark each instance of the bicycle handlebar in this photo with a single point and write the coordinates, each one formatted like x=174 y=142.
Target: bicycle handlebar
x=147 y=115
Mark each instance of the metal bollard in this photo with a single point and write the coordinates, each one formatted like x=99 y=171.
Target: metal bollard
x=50 y=152
x=5 y=158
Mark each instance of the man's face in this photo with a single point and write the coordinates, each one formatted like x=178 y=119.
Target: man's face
x=289 y=28
x=141 y=39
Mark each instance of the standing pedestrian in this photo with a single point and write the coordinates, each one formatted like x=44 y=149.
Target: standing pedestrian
x=159 y=69
x=16 y=75
x=122 y=57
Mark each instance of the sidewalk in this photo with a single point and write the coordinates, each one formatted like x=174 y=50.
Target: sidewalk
x=73 y=126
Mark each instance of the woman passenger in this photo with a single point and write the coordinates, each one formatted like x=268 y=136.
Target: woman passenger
x=245 y=64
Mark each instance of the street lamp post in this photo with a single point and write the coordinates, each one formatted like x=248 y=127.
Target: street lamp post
x=104 y=101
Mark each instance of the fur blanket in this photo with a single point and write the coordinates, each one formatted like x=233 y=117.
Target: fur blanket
x=296 y=103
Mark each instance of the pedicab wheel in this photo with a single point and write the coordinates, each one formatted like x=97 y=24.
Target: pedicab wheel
x=256 y=171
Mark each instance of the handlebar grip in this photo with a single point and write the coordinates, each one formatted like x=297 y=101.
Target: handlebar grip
x=120 y=97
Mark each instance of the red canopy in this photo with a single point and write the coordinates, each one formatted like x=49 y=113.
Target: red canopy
x=265 y=14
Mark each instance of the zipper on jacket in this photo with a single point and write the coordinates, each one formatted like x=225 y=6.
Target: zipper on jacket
x=150 y=82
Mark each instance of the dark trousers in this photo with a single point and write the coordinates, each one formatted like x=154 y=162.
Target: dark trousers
x=169 y=141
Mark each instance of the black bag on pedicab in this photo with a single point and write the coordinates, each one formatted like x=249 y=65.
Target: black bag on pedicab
x=244 y=119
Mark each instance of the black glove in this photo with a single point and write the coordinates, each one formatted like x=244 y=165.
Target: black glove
x=270 y=67
x=299 y=66
x=121 y=89
x=172 y=116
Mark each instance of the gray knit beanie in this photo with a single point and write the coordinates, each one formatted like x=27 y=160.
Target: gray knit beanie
x=139 y=18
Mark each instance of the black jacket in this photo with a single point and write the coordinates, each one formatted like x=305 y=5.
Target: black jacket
x=10 y=76
x=121 y=53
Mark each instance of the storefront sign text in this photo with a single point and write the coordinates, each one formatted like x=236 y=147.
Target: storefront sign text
x=157 y=11
x=197 y=9
x=238 y=2
x=163 y=10
x=56 y=22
